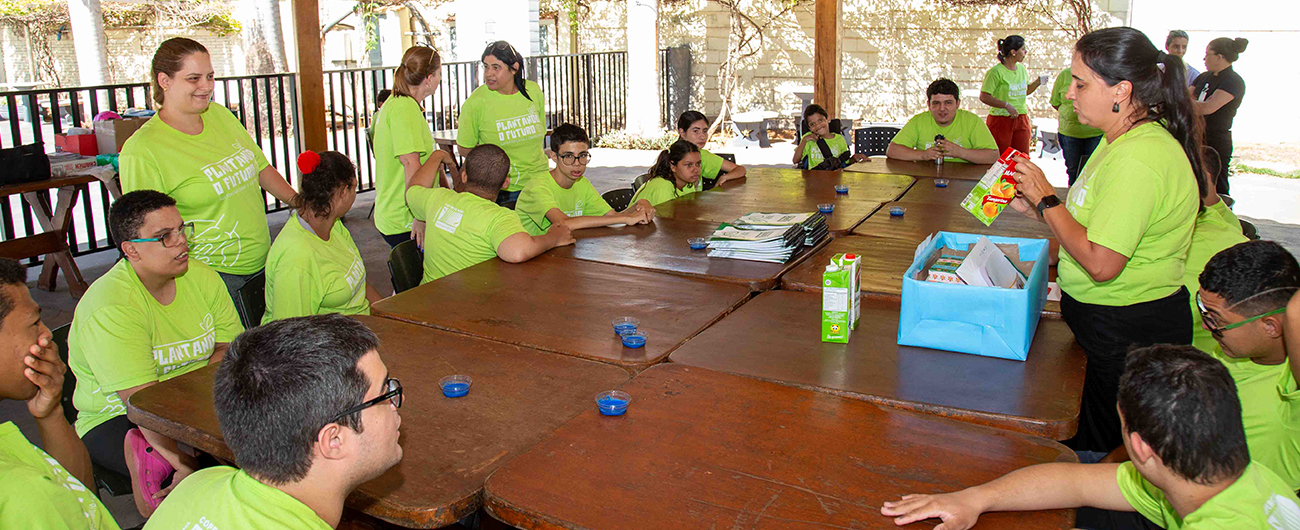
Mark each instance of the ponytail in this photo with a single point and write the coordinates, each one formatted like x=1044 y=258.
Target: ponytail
x=418 y=63
x=663 y=167
x=1126 y=54
x=506 y=53
x=1008 y=45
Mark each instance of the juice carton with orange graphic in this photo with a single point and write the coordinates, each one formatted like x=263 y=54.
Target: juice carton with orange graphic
x=993 y=192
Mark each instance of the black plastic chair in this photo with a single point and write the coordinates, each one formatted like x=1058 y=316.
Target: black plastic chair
x=873 y=141
x=1248 y=230
x=619 y=199
x=727 y=156
x=252 y=301
x=639 y=181
x=406 y=265
x=112 y=482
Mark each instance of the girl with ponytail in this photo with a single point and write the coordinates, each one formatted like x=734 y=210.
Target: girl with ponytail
x=1126 y=225
x=507 y=111
x=404 y=145
x=314 y=267
x=1218 y=93
x=676 y=173
x=1005 y=88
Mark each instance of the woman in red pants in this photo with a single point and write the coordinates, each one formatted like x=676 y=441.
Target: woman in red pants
x=1005 y=87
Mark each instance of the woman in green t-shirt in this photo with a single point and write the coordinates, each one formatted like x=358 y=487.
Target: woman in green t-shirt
x=693 y=127
x=197 y=152
x=404 y=145
x=809 y=154
x=314 y=267
x=509 y=112
x=1005 y=88
x=1127 y=223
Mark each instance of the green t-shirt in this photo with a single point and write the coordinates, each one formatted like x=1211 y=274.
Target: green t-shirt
x=1270 y=413
x=1212 y=234
x=122 y=337
x=542 y=194
x=462 y=229
x=37 y=492
x=306 y=275
x=710 y=165
x=966 y=130
x=513 y=123
x=1137 y=197
x=1067 y=122
x=400 y=128
x=1007 y=86
x=660 y=190
x=214 y=178
x=813 y=154
x=1257 y=500
x=225 y=498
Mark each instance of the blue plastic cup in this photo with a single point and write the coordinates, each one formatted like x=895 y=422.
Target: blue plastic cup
x=841 y=189
x=826 y=207
x=625 y=325
x=454 y=386
x=698 y=243
x=897 y=211
x=613 y=402
x=633 y=339
x=940 y=183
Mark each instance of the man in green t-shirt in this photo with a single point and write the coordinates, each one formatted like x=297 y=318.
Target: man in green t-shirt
x=154 y=316
x=566 y=197
x=944 y=131
x=309 y=410
x=1181 y=421
x=467 y=228
x=41 y=489
x=1243 y=304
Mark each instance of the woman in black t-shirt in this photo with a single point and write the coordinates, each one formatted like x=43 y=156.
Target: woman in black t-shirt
x=1217 y=94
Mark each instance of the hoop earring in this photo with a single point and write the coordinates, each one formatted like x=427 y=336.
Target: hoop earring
x=1115 y=108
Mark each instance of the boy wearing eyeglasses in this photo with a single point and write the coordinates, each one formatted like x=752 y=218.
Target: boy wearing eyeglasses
x=309 y=410
x=1243 y=306
x=569 y=198
x=153 y=316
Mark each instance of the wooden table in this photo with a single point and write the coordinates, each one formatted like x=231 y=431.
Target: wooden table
x=446 y=140
x=53 y=242
x=922 y=219
x=776 y=337
x=948 y=170
x=450 y=446
x=702 y=449
x=566 y=306
x=791 y=190
x=661 y=247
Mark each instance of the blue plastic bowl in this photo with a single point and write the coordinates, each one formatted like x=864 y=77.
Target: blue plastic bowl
x=841 y=189
x=625 y=325
x=613 y=402
x=897 y=211
x=454 y=386
x=940 y=183
x=633 y=339
x=826 y=207
x=698 y=243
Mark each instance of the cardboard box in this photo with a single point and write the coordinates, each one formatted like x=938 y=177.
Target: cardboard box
x=111 y=134
x=841 y=297
x=988 y=321
x=65 y=167
x=995 y=190
x=988 y=266
x=82 y=144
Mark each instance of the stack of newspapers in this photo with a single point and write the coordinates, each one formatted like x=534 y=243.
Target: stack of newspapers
x=770 y=237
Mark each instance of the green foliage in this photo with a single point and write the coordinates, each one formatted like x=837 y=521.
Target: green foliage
x=627 y=140
x=1239 y=168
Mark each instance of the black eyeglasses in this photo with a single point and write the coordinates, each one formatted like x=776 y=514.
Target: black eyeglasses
x=170 y=238
x=393 y=394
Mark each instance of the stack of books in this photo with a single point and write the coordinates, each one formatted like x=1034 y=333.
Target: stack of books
x=812 y=223
x=774 y=246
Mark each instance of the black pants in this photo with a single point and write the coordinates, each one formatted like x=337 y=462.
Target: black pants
x=396 y=239
x=1107 y=333
x=105 y=444
x=1221 y=141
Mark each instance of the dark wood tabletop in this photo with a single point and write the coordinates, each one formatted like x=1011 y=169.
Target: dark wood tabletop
x=776 y=337
x=661 y=246
x=884 y=260
x=948 y=170
x=451 y=446
x=703 y=449
x=567 y=306
x=791 y=190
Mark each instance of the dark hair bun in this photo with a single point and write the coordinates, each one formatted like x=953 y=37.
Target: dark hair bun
x=1239 y=45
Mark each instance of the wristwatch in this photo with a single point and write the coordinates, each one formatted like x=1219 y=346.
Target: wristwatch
x=1048 y=201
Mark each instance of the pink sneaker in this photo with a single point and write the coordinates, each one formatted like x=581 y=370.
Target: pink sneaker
x=151 y=469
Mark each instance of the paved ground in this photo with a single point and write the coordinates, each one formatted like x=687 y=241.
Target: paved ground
x=1269 y=202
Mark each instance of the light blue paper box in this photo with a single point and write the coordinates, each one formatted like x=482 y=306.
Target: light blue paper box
x=988 y=321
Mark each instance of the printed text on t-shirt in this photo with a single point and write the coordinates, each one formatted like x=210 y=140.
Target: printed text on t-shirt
x=518 y=127
x=232 y=172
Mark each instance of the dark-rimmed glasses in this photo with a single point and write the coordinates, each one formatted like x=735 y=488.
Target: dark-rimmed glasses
x=392 y=393
x=570 y=158
x=1212 y=324
x=170 y=238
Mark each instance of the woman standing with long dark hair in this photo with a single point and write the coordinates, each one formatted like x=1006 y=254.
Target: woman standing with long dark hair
x=1127 y=222
x=510 y=112
x=1005 y=88
x=1218 y=93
